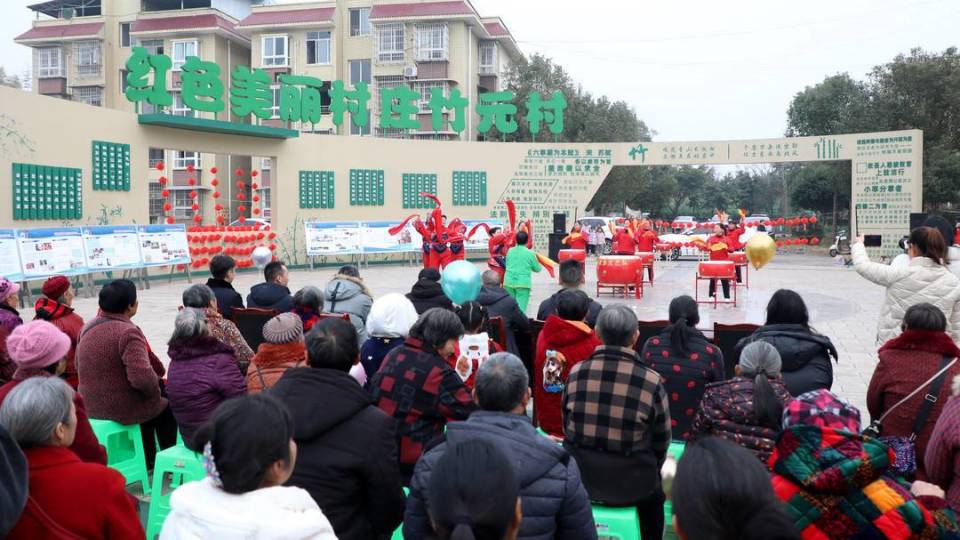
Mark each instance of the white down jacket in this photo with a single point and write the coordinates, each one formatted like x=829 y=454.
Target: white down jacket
x=922 y=280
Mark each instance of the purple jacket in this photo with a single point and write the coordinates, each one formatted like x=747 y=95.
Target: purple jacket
x=203 y=373
x=9 y=318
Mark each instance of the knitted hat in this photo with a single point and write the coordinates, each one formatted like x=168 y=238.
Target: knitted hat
x=55 y=287
x=284 y=328
x=37 y=344
x=823 y=409
x=7 y=289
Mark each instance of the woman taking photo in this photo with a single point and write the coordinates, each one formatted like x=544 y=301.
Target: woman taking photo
x=926 y=279
x=805 y=354
x=907 y=363
x=686 y=361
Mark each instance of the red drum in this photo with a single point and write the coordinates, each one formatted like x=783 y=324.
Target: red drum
x=620 y=272
x=646 y=258
x=717 y=270
x=578 y=255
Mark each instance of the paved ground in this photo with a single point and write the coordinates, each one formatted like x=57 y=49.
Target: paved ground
x=842 y=305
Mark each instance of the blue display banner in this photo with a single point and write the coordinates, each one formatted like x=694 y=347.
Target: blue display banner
x=51 y=251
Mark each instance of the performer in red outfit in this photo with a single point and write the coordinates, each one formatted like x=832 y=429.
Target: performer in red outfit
x=623 y=242
x=646 y=239
x=501 y=240
x=733 y=240
x=576 y=239
x=719 y=251
x=442 y=242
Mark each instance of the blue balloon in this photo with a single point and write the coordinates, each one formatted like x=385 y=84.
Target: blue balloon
x=460 y=281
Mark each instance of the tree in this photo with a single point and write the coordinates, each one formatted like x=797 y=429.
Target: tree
x=13 y=81
x=837 y=105
x=690 y=182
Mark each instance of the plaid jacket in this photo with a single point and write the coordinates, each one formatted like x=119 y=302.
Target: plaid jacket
x=421 y=391
x=614 y=403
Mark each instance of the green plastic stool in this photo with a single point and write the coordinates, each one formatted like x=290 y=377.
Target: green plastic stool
x=398 y=534
x=676 y=450
x=182 y=465
x=124 y=450
x=618 y=523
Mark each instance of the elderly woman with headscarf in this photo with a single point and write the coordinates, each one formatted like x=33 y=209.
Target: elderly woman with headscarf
x=223 y=330
x=747 y=408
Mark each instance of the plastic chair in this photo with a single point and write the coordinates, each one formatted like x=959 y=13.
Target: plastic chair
x=676 y=451
x=398 y=534
x=619 y=523
x=183 y=465
x=250 y=323
x=124 y=450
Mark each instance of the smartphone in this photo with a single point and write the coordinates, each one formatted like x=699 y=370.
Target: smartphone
x=873 y=240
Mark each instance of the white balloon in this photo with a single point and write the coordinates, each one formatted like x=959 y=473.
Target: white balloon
x=261 y=256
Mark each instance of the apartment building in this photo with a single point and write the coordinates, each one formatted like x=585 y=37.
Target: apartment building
x=80 y=48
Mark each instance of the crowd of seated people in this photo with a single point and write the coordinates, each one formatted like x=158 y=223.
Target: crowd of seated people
x=365 y=423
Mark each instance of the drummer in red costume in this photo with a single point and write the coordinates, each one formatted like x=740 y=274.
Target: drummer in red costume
x=576 y=239
x=646 y=239
x=733 y=239
x=623 y=242
x=719 y=250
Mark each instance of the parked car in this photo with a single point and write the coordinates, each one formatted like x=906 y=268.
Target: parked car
x=604 y=223
x=251 y=222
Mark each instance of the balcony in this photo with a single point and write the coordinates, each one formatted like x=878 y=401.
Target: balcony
x=52 y=85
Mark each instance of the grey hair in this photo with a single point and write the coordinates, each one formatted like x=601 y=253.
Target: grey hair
x=190 y=322
x=309 y=297
x=617 y=326
x=760 y=357
x=489 y=278
x=198 y=296
x=501 y=383
x=34 y=408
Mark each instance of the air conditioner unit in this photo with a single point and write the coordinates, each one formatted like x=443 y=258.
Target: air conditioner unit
x=410 y=71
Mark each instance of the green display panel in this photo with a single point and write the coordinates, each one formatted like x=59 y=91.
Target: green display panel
x=366 y=187
x=111 y=166
x=413 y=185
x=41 y=192
x=469 y=188
x=316 y=189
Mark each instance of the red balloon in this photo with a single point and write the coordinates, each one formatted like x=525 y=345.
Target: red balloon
x=213 y=170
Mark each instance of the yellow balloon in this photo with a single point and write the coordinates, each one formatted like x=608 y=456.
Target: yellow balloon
x=760 y=250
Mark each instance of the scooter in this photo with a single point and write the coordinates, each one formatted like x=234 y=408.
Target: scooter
x=841 y=244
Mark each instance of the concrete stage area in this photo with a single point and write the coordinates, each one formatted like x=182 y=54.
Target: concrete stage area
x=842 y=305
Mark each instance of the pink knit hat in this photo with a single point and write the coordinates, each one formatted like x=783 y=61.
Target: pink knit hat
x=37 y=344
x=7 y=289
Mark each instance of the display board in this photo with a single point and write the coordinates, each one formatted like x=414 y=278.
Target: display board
x=413 y=185
x=51 y=251
x=469 y=188
x=42 y=192
x=366 y=187
x=317 y=189
x=10 y=256
x=480 y=238
x=162 y=245
x=376 y=238
x=112 y=247
x=111 y=166
x=332 y=237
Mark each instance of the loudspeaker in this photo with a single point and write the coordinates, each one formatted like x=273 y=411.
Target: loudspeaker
x=556 y=243
x=559 y=223
x=917 y=219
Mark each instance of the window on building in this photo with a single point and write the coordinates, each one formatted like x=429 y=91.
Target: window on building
x=179 y=108
x=275 y=106
x=182 y=158
x=125 y=34
x=123 y=80
x=147 y=108
x=318 y=48
x=360 y=131
x=359 y=71
x=360 y=22
x=91 y=95
x=183 y=204
x=431 y=41
x=86 y=56
x=390 y=42
x=153 y=46
x=265 y=163
x=183 y=49
x=273 y=51
x=155 y=156
x=384 y=83
x=391 y=133
x=488 y=58
x=49 y=62
x=425 y=89
x=156 y=201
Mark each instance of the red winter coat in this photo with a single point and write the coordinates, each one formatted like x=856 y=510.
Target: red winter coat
x=646 y=240
x=85 y=444
x=623 y=243
x=906 y=362
x=719 y=248
x=576 y=342
x=118 y=380
x=67 y=320
x=576 y=240
x=87 y=499
x=733 y=238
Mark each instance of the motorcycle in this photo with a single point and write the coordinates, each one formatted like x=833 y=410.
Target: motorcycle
x=841 y=244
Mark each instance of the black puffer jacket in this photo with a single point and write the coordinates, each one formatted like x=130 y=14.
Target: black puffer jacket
x=555 y=503
x=427 y=294
x=346 y=452
x=805 y=355
x=549 y=307
x=501 y=304
x=270 y=296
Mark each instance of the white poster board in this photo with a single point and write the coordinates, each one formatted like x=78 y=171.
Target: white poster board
x=10 y=267
x=112 y=247
x=480 y=238
x=376 y=237
x=162 y=245
x=332 y=237
x=51 y=251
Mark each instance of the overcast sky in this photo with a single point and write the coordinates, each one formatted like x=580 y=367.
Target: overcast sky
x=692 y=69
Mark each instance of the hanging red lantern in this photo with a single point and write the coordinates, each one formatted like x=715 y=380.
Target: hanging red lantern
x=241 y=209
x=243 y=219
x=170 y=220
x=240 y=184
x=254 y=173
x=272 y=235
x=221 y=219
x=192 y=181
x=813 y=219
x=779 y=243
x=815 y=241
x=241 y=196
x=256 y=211
x=238 y=171
x=260 y=236
x=256 y=198
x=190 y=167
x=272 y=247
x=254 y=186
x=214 y=182
x=218 y=207
x=193 y=194
x=216 y=194
x=159 y=166
x=805 y=220
x=162 y=180
x=194 y=207
x=165 y=193
x=167 y=207
x=197 y=218
x=213 y=170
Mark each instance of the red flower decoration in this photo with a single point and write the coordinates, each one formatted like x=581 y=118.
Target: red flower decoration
x=213 y=170
x=159 y=166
